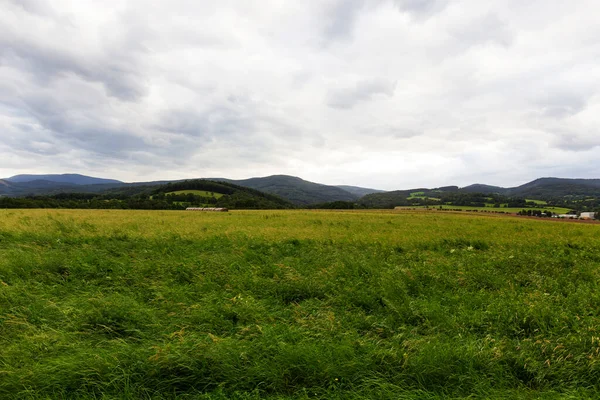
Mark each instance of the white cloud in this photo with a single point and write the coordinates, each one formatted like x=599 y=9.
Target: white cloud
x=364 y=90
x=385 y=93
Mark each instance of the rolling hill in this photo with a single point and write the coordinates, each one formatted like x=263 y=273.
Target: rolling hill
x=299 y=191
x=294 y=189
x=73 y=179
x=8 y=188
x=544 y=188
x=359 y=191
x=539 y=189
x=480 y=188
x=220 y=194
x=171 y=196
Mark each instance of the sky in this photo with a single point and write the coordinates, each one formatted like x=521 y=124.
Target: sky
x=389 y=94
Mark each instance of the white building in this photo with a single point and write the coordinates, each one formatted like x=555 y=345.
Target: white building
x=568 y=216
x=590 y=215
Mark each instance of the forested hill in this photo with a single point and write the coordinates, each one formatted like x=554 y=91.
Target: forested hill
x=171 y=196
x=28 y=185
x=579 y=193
x=544 y=188
x=299 y=191
x=359 y=191
x=69 y=179
x=396 y=198
x=220 y=194
x=294 y=189
x=557 y=188
x=480 y=188
x=8 y=188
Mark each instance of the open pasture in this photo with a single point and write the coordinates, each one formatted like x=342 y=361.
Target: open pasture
x=296 y=304
x=203 y=193
x=489 y=208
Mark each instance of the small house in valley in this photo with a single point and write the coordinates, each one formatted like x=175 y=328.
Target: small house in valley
x=219 y=209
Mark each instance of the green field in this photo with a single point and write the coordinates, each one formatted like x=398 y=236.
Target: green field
x=297 y=304
x=540 y=202
x=510 y=210
x=202 y=193
x=421 y=195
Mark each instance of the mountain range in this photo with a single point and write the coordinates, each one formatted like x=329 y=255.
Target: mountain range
x=296 y=190
x=544 y=187
x=561 y=189
x=69 y=179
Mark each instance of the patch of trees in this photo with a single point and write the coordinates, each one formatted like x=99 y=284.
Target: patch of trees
x=336 y=205
x=197 y=184
x=189 y=198
x=386 y=199
x=84 y=201
x=577 y=203
x=250 y=201
x=535 y=213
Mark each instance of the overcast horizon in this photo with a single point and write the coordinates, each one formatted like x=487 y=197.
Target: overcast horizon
x=387 y=94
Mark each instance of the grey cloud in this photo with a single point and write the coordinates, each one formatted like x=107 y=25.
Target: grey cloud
x=341 y=18
x=118 y=75
x=38 y=7
x=577 y=141
x=105 y=143
x=562 y=104
x=421 y=8
x=229 y=133
x=30 y=138
x=349 y=97
x=219 y=121
x=400 y=133
x=117 y=64
x=486 y=29
x=183 y=122
x=390 y=131
x=109 y=142
x=236 y=121
x=55 y=121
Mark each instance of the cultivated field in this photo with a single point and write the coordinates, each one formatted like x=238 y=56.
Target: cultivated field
x=297 y=304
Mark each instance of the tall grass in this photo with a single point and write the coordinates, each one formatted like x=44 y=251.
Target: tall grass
x=126 y=304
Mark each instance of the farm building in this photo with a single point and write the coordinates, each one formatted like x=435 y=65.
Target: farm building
x=206 y=209
x=587 y=215
x=568 y=216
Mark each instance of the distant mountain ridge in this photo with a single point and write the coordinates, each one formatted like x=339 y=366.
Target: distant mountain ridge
x=73 y=179
x=538 y=189
x=481 y=188
x=359 y=191
x=294 y=189
x=543 y=187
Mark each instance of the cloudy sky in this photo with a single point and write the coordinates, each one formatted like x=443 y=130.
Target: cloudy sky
x=379 y=93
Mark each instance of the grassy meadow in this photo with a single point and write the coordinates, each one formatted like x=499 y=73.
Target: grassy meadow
x=297 y=304
x=490 y=208
x=203 y=193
